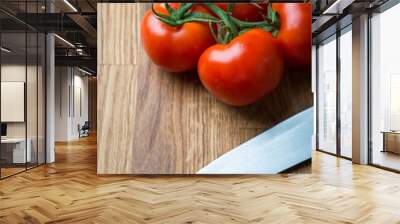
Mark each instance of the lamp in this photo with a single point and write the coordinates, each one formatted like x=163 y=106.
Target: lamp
x=5 y=50
x=64 y=40
x=70 y=5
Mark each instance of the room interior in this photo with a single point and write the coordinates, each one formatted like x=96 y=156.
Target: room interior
x=25 y=66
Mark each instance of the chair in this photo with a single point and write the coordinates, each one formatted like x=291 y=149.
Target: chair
x=84 y=130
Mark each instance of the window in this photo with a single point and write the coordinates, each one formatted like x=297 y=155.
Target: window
x=385 y=89
x=334 y=106
x=346 y=92
x=22 y=77
x=327 y=95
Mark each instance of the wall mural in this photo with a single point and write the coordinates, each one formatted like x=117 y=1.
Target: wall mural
x=206 y=88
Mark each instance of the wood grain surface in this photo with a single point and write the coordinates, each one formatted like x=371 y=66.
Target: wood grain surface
x=154 y=122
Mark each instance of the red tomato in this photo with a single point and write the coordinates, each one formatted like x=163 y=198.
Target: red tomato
x=295 y=32
x=243 y=71
x=175 y=49
x=246 y=11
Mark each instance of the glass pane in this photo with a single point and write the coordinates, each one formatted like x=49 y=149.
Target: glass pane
x=385 y=89
x=13 y=89
x=31 y=97
x=346 y=94
x=41 y=99
x=327 y=96
x=32 y=90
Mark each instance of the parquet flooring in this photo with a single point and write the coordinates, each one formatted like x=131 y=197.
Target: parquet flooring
x=69 y=191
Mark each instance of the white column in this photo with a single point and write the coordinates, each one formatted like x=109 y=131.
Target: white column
x=360 y=90
x=314 y=91
x=50 y=99
x=50 y=92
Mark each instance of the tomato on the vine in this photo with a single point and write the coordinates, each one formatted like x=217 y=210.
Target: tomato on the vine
x=175 y=49
x=244 y=70
x=246 y=11
x=295 y=32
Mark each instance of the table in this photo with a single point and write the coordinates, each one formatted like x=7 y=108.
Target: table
x=15 y=148
x=391 y=141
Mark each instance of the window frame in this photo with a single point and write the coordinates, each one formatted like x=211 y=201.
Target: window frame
x=336 y=35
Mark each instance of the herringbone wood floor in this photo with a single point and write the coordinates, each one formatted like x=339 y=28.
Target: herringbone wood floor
x=69 y=191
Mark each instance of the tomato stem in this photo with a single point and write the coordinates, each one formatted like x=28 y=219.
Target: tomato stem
x=185 y=7
x=224 y=16
x=236 y=27
x=179 y=18
x=230 y=8
x=170 y=10
x=210 y=26
x=228 y=26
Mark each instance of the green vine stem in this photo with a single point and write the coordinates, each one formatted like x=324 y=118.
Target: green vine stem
x=183 y=15
x=224 y=17
x=228 y=27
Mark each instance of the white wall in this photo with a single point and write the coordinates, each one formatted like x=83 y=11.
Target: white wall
x=80 y=93
x=13 y=73
x=12 y=101
x=17 y=73
x=62 y=82
x=69 y=82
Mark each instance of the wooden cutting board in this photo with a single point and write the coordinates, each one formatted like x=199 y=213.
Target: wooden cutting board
x=154 y=122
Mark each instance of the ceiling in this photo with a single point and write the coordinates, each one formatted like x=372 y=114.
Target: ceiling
x=75 y=23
